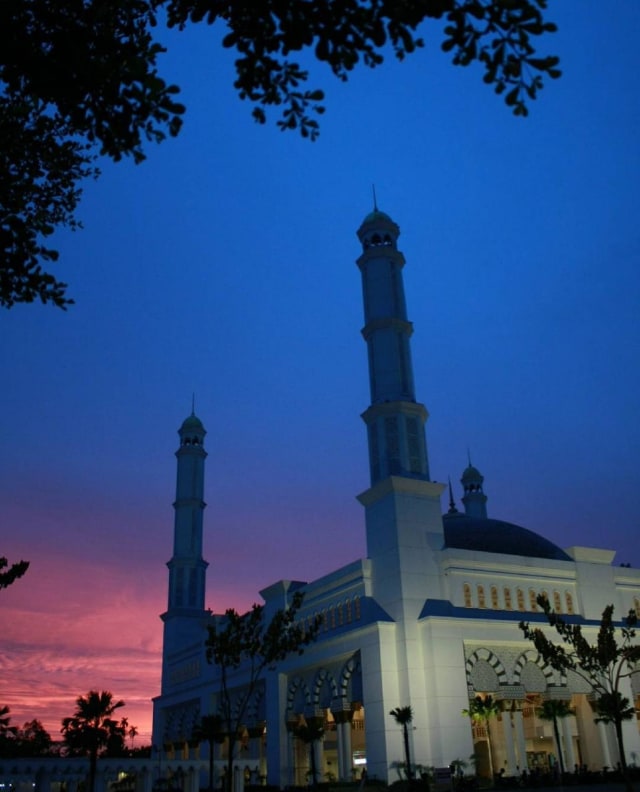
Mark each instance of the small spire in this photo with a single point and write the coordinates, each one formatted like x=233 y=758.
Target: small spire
x=193 y=403
x=469 y=457
x=452 y=503
x=375 y=202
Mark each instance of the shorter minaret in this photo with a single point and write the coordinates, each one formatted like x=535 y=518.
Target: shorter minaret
x=474 y=499
x=187 y=567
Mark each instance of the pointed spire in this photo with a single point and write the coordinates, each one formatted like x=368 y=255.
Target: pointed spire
x=375 y=202
x=193 y=403
x=452 y=503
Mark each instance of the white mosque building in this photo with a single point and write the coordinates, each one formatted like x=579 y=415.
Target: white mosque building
x=428 y=619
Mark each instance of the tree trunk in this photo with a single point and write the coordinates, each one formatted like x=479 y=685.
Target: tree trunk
x=623 y=758
x=211 y=744
x=489 y=751
x=232 y=748
x=556 y=732
x=407 y=755
x=93 y=762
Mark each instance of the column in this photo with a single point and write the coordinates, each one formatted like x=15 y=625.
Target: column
x=521 y=743
x=603 y=733
x=291 y=752
x=343 y=715
x=567 y=737
x=507 y=730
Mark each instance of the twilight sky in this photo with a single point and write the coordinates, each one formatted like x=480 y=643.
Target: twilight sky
x=224 y=265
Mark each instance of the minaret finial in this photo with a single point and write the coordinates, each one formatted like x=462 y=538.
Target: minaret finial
x=193 y=403
x=375 y=202
x=452 y=503
x=469 y=456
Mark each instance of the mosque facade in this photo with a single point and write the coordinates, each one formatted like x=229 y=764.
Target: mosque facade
x=428 y=619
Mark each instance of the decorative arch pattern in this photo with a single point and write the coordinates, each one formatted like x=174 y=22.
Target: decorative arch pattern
x=488 y=656
x=323 y=679
x=531 y=656
x=298 y=692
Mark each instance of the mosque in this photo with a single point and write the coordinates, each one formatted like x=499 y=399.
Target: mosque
x=429 y=619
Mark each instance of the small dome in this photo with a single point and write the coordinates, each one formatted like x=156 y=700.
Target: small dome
x=471 y=474
x=377 y=217
x=191 y=423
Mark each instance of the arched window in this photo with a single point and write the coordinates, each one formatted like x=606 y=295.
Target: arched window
x=332 y=611
x=347 y=604
x=494 y=598
x=507 y=597
x=356 y=607
x=569 y=600
x=557 y=603
x=520 y=598
x=636 y=606
x=533 y=605
x=339 y=609
x=466 y=593
x=481 y=600
x=325 y=620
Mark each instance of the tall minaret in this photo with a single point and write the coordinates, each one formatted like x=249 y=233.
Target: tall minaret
x=402 y=506
x=395 y=422
x=187 y=567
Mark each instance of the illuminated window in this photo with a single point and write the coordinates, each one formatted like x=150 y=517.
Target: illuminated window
x=466 y=591
x=481 y=601
x=533 y=605
x=520 y=598
x=557 y=604
x=494 y=598
x=569 y=601
x=348 y=609
x=356 y=606
x=507 y=597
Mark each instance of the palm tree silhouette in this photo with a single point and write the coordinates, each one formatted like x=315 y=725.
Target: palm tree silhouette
x=403 y=716
x=91 y=729
x=552 y=710
x=481 y=710
x=209 y=729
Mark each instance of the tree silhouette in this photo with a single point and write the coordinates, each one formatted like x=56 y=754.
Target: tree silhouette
x=91 y=730
x=554 y=710
x=604 y=665
x=80 y=80
x=210 y=730
x=7 y=731
x=14 y=571
x=481 y=710
x=403 y=716
x=250 y=644
x=310 y=733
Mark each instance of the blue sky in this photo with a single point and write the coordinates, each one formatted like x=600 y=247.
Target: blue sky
x=224 y=266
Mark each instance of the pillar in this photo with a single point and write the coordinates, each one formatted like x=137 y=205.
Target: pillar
x=521 y=743
x=567 y=738
x=343 y=715
x=507 y=730
x=603 y=733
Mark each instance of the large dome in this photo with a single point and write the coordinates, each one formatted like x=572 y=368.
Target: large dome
x=496 y=536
